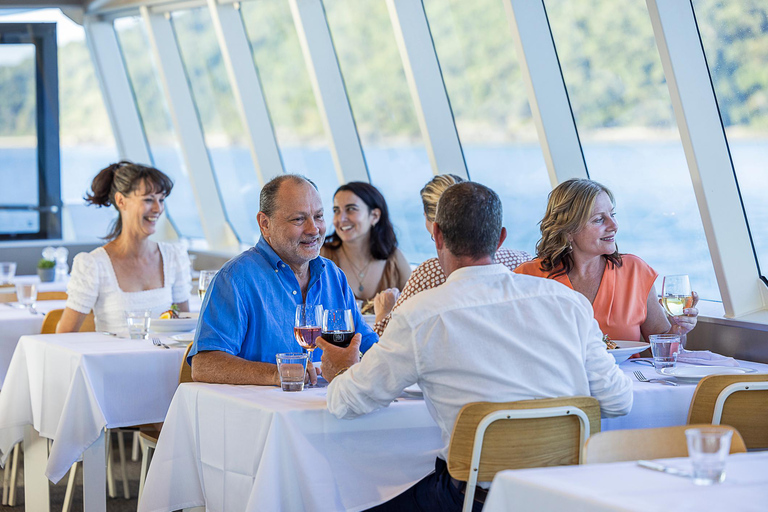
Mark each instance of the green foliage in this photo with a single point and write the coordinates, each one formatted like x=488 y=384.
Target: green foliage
x=44 y=264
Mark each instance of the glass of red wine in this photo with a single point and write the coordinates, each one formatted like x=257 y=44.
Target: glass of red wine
x=338 y=326
x=306 y=326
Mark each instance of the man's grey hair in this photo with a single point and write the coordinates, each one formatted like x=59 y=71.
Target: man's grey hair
x=470 y=217
x=268 y=196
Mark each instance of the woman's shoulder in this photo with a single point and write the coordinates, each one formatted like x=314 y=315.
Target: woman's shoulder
x=632 y=265
x=90 y=259
x=531 y=268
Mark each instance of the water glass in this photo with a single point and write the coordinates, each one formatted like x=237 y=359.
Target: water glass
x=708 y=448
x=7 y=272
x=292 y=368
x=664 y=348
x=26 y=294
x=138 y=323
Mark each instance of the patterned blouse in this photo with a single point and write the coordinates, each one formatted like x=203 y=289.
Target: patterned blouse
x=429 y=275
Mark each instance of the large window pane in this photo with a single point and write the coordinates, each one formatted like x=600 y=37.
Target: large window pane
x=735 y=37
x=224 y=134
x=490 y=107
x=288 y=91
x=628 y=132
x=163 y=143
x=18 y=140
x=384 y=113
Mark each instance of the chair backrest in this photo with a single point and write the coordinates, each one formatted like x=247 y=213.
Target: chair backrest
x=9 y=295
x=185 y=373
x=520 y=443
x=52 y=318
x=743 y=406
x=646 y=443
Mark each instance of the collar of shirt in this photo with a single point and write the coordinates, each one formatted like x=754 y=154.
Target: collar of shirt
x=477 y=270
x=316 y=266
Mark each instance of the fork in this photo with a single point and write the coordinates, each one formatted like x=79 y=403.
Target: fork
x=642 y=378
x=156 y=342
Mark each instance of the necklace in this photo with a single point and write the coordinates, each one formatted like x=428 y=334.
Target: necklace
x=360 y=273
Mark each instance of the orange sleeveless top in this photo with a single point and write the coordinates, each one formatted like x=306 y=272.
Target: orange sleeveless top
x=620 y=303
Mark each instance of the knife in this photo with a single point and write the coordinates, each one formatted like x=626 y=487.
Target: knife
x=662 y=468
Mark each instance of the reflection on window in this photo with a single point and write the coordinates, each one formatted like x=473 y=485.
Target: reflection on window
x=18 y=139
x=631 y=144
x=735 y=37
x=288 y=91
x=384 y=113
x=163 y=144
x=490 y=106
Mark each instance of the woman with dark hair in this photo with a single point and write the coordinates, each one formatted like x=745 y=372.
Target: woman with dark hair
x=130 y=272
x=364 y=244
x=578 y=249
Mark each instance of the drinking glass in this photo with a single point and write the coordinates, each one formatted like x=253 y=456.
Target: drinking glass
x=676 y=296
x=26 y=294
x=138 y=323
x=338 y=326
x=306 y=327
x=206 y=276
x=292 y=369
x=708 y=449
x=665 y=348
x=7 y=272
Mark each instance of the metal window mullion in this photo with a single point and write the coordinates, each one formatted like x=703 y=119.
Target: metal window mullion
x=183 y=112
x=247 y=90
x=706 y=150
x=425 y=81
x=330 y=93
x=547 y=94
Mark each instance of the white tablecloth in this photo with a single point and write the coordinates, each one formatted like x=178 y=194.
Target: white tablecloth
x=626 y=486
x=53 y=286
x=15 y=322
x=71 y=386
x=236 y=448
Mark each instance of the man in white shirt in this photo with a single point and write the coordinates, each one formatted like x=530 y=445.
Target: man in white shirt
x=486 y=334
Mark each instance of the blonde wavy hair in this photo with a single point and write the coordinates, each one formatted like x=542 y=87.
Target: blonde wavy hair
x=569 y=207
x=433 y=190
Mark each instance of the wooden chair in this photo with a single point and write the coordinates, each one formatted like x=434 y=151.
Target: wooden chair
x=10 y=295
x=52 y=318
x=148 y=438
x=737 y=400
x=646 y=443
x=545 y=432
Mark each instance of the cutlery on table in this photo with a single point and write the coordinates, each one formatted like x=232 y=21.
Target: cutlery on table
x=647 y=464
x=156 y=342
x=642 y=378
x=642 y=361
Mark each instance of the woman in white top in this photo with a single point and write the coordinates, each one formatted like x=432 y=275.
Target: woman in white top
x=130 y=272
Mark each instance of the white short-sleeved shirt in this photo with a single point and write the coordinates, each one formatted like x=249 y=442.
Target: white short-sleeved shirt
x=93 y=286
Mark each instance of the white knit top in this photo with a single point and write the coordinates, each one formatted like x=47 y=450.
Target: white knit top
x=93 y=285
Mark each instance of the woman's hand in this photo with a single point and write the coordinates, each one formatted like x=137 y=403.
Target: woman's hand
x=685 y=323
x=384 y=301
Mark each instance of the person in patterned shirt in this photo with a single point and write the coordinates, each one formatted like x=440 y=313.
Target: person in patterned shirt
x=429 y=274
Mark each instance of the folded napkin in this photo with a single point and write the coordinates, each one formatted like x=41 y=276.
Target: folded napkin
x=705 y=357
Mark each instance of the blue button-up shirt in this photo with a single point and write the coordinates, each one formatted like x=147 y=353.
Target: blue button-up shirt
x=250 y=306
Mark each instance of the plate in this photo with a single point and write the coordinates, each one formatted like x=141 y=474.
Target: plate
x=187 y=337
x=696 y=373
x=626 y=349
x=187 y=322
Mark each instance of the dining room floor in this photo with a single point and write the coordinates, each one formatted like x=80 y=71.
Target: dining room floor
x=57 y=491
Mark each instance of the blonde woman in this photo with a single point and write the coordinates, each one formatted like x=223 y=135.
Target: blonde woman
x=578 y=249
x=429 y=274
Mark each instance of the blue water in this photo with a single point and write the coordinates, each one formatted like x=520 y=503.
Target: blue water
x=657 y=212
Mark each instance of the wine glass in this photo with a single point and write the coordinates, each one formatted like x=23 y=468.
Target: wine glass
x=338 y=326
x=676 y=296
x=206 y=276
x=306 y=327
x=26 y=293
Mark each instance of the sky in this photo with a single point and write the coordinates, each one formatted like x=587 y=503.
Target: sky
x=66 y=31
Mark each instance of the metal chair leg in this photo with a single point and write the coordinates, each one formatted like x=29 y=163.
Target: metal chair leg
x=121 y=450
x=135 y=447
x=67 y=505
x=110 y=476
x=14 y=471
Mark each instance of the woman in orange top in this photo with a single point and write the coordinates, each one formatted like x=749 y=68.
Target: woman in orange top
x=578 y=249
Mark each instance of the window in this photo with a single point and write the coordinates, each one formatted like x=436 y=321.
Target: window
x=628 y=132
x=490 y=106
x=735 y=38
x=163 y=144
x=384 y=113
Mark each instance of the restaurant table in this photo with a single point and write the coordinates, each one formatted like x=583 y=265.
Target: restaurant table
x=237 y=448
x=627 y=486
x=16 y=321
x=50 y=286
x=69 y=388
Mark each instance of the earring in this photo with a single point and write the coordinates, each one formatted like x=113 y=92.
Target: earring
x=432 y=237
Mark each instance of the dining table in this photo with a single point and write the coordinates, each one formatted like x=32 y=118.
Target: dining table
x=625 y=486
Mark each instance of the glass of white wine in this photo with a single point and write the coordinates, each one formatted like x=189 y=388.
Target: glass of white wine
x=206 y=276
x=676 y=297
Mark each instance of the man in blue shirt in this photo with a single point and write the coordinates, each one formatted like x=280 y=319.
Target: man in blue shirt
x=248 y=313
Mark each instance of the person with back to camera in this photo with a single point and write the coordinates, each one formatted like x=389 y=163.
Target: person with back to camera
x=578 y=249
x=364 y=244
x=130 y=271
x=429 y=274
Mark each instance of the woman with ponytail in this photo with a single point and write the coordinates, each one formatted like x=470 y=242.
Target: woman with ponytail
x=130 y=272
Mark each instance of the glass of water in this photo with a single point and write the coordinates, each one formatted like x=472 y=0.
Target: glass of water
x=7 y=272
x=26 y=294
x=708 y=448
x=138 y=323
